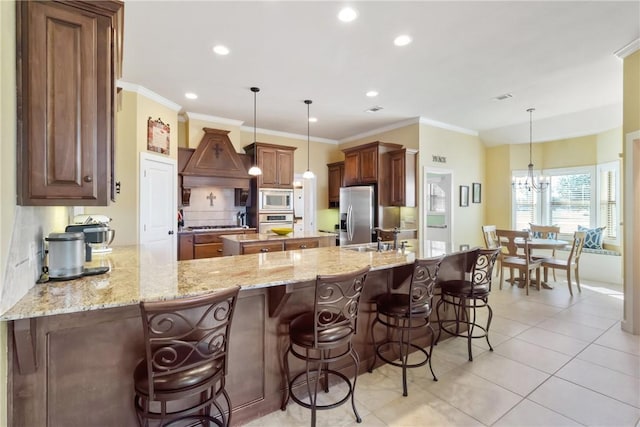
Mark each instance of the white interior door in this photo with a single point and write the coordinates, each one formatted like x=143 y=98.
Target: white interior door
x=158 y=204
x=438 y=203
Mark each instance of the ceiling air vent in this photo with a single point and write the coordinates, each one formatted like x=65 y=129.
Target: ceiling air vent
x=503 y=97
x=373 y=109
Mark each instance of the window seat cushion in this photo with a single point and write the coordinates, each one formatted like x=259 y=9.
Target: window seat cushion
x=594 y=251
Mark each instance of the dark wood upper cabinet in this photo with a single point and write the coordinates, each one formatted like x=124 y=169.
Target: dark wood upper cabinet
x=336 y=180
x=276 y=162
x=402 y=177
x=362 y=163
x=67 y=61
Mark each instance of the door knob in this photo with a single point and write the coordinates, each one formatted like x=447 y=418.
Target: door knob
x=170 y=232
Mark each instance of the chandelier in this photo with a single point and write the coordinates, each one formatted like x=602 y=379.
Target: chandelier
x=531 y=182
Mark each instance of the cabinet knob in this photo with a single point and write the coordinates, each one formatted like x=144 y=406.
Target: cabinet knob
x=303 y=246
x=264 y=250
x=219 y=250
x=88 y=178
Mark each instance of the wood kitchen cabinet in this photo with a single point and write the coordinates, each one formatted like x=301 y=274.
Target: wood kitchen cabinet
x=276 y=162
x=291 y=245
x=361 y=163
x=185 y=246
x=259 y=247
x=402 y=177
x=336 y=180
x=68 y=57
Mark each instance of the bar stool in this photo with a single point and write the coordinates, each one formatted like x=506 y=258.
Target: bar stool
x=314 y=335
x=187 y=344
x=406 y=313
x=466 y=296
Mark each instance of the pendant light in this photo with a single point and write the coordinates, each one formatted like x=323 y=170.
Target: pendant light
x=530 y=183
x=308 y=174
x=255 y=170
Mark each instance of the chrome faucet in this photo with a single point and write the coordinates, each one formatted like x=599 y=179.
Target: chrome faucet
x=379 y=244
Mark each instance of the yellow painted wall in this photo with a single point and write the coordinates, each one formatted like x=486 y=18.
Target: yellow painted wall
x=466 y=157
x=131 y=134
x=407 y=136
x=563 y=153
x=609 y=145
x=497 y=197
x=631 y=87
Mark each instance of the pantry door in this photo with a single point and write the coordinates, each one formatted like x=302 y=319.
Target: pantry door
x=158 y=205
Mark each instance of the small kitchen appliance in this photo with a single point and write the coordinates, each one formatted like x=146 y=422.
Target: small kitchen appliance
x=98 y=234
x=66 y=255
x=275 y=200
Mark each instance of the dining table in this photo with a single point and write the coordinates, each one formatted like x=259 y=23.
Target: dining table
x=539 y=243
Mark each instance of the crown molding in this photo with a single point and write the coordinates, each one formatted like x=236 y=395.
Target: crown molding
x=289 y=135
x=214 y=119
x=141 y=90
x=435 y=123
x=627 y=50
x=381 y=129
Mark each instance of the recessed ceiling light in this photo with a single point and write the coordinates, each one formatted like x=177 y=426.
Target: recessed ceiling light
x=347 y=14
x=313 y=119
x=402 y=40
x=372 y=93
x=503 y=97
x=191 y=95
x=221 y=50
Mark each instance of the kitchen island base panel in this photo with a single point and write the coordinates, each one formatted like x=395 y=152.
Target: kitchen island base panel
x=84 y=361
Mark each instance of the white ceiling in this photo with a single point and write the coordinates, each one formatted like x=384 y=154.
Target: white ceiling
x=555 y=56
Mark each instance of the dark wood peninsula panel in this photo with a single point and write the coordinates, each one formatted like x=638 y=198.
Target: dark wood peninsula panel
x=68 y=59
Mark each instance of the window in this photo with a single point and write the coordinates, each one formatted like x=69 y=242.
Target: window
x=570 y=196
x=608 y=195
x=586 y=196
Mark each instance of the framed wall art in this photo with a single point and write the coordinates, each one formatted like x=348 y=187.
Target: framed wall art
x=476 y=192
x=464 y=195
x=158 y=136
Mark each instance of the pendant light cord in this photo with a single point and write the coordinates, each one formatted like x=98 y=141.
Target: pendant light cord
x=308 y=102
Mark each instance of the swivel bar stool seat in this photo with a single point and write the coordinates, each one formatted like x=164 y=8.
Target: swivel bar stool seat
x=466 y=296
x=324 y=336
x=405 y=314
x=182 y=376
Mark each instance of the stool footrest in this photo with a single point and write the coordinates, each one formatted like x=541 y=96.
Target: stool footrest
x=328 y=372
x=399 y=364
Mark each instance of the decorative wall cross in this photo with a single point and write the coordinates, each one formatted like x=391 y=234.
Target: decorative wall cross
x=211 y=198
x=218 y=150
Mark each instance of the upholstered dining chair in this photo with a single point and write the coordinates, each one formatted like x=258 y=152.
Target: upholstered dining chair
x=515 y=261
x=571 y=263
x=545 y=232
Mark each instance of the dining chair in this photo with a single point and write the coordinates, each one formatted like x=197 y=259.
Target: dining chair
x=545 y=232
x=491 y=241
x=515 y=261
x=571 y=263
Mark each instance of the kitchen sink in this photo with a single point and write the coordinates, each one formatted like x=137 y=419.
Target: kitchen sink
x=372 y=247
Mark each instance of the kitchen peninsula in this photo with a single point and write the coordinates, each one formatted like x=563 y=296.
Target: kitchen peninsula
x=75 y=344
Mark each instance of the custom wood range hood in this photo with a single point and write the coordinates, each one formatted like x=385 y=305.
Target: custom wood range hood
x=214 y=162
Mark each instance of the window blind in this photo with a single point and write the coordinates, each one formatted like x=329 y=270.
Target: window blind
x=570 y=201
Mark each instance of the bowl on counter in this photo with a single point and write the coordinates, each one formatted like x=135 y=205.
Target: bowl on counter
x=282 y=231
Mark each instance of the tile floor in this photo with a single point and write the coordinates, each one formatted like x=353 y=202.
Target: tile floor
x=557 y=361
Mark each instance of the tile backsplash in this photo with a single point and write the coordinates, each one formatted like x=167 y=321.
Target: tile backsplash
x=211 y=206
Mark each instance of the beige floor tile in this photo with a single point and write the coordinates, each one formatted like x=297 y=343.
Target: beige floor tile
x=553 y=341
x=613 y=359
x=583 y=405
x=425 y=409
x=455 y=350
x=377 y=389
x=571 y=329
x=586 y=319
x=507 y=373
x=622 y=387
x=609 y=312
x=532 y=355
x=617 y=339
x=475 y=396
x=530 y=414
x=507 y=327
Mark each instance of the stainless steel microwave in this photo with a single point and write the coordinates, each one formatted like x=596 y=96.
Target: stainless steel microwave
x=275 y=199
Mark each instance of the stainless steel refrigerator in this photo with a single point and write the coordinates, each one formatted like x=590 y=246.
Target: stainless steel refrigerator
x=357 y=215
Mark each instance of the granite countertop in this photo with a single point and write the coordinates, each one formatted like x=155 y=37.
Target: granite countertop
x=262 y=237
x=140 y=274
